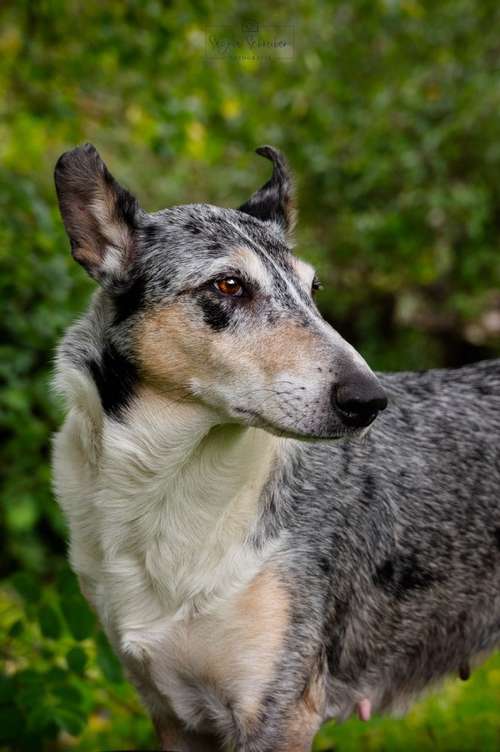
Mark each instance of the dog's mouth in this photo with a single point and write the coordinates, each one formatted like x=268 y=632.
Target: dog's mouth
x=340 y=431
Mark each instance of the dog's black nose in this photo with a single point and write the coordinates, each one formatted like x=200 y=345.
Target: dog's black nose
x=359 y=400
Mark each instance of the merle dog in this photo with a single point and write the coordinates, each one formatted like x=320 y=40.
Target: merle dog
x=261 y=557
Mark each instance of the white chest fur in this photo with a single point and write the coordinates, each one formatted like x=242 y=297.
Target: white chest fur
x=160 y=507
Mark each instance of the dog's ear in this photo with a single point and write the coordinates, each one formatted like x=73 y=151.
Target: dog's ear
x=98 y=214
x=274 y=201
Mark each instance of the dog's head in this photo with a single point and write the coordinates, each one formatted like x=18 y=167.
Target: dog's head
x=210 y=304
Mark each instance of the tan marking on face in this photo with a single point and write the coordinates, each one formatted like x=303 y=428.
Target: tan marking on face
x=173 y=348
x=284 y=347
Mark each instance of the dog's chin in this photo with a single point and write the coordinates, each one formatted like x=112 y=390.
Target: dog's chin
x=314 y=436
x=334 y=432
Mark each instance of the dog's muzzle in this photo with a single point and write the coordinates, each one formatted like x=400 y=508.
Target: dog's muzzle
x=358 y=400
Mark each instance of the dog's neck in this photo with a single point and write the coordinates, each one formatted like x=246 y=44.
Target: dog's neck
x=182 y=499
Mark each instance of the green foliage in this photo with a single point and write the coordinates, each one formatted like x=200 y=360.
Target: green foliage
x=388 y=111
x=58 y=683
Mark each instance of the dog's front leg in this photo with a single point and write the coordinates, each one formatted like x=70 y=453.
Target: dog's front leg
x=174 y=738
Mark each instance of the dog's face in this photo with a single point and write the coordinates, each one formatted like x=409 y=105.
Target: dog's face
x=210 y=304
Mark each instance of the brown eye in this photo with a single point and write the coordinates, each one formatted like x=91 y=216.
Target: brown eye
x=230 y=286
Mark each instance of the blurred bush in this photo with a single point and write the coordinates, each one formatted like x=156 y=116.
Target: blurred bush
x=388 y=111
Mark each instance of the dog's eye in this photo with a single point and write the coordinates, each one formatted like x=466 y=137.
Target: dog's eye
x=316 y=285
x=230 y=286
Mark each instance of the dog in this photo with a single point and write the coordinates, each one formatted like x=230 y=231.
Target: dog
x=271 y=534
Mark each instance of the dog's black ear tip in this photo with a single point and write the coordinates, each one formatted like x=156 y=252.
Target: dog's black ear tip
x=62 y=163
x=269 y=152
x=272 y=202
x=85 y=153
x=280 y=164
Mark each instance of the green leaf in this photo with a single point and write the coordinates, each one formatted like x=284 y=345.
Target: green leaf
x=29 y=688
x=21 y=516
x=11 y=722
x=76 y=660
x=79 y=618
x=26 y=585
x=16 y=629
x=107 y=660
x=67 y=584
x=68 y=695
x=56 y=675
x=5 y=689
x=69 y=720
x=40 y=721
x=50 y=622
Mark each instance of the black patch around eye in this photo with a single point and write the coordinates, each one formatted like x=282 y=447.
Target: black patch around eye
x=130 y=301
x=215 y=313
x=115 y=378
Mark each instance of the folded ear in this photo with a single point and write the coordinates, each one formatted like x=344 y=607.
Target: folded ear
x=98 y=214
x=274 y=201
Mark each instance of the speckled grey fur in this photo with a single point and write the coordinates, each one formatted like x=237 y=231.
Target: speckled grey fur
x=395 y=543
